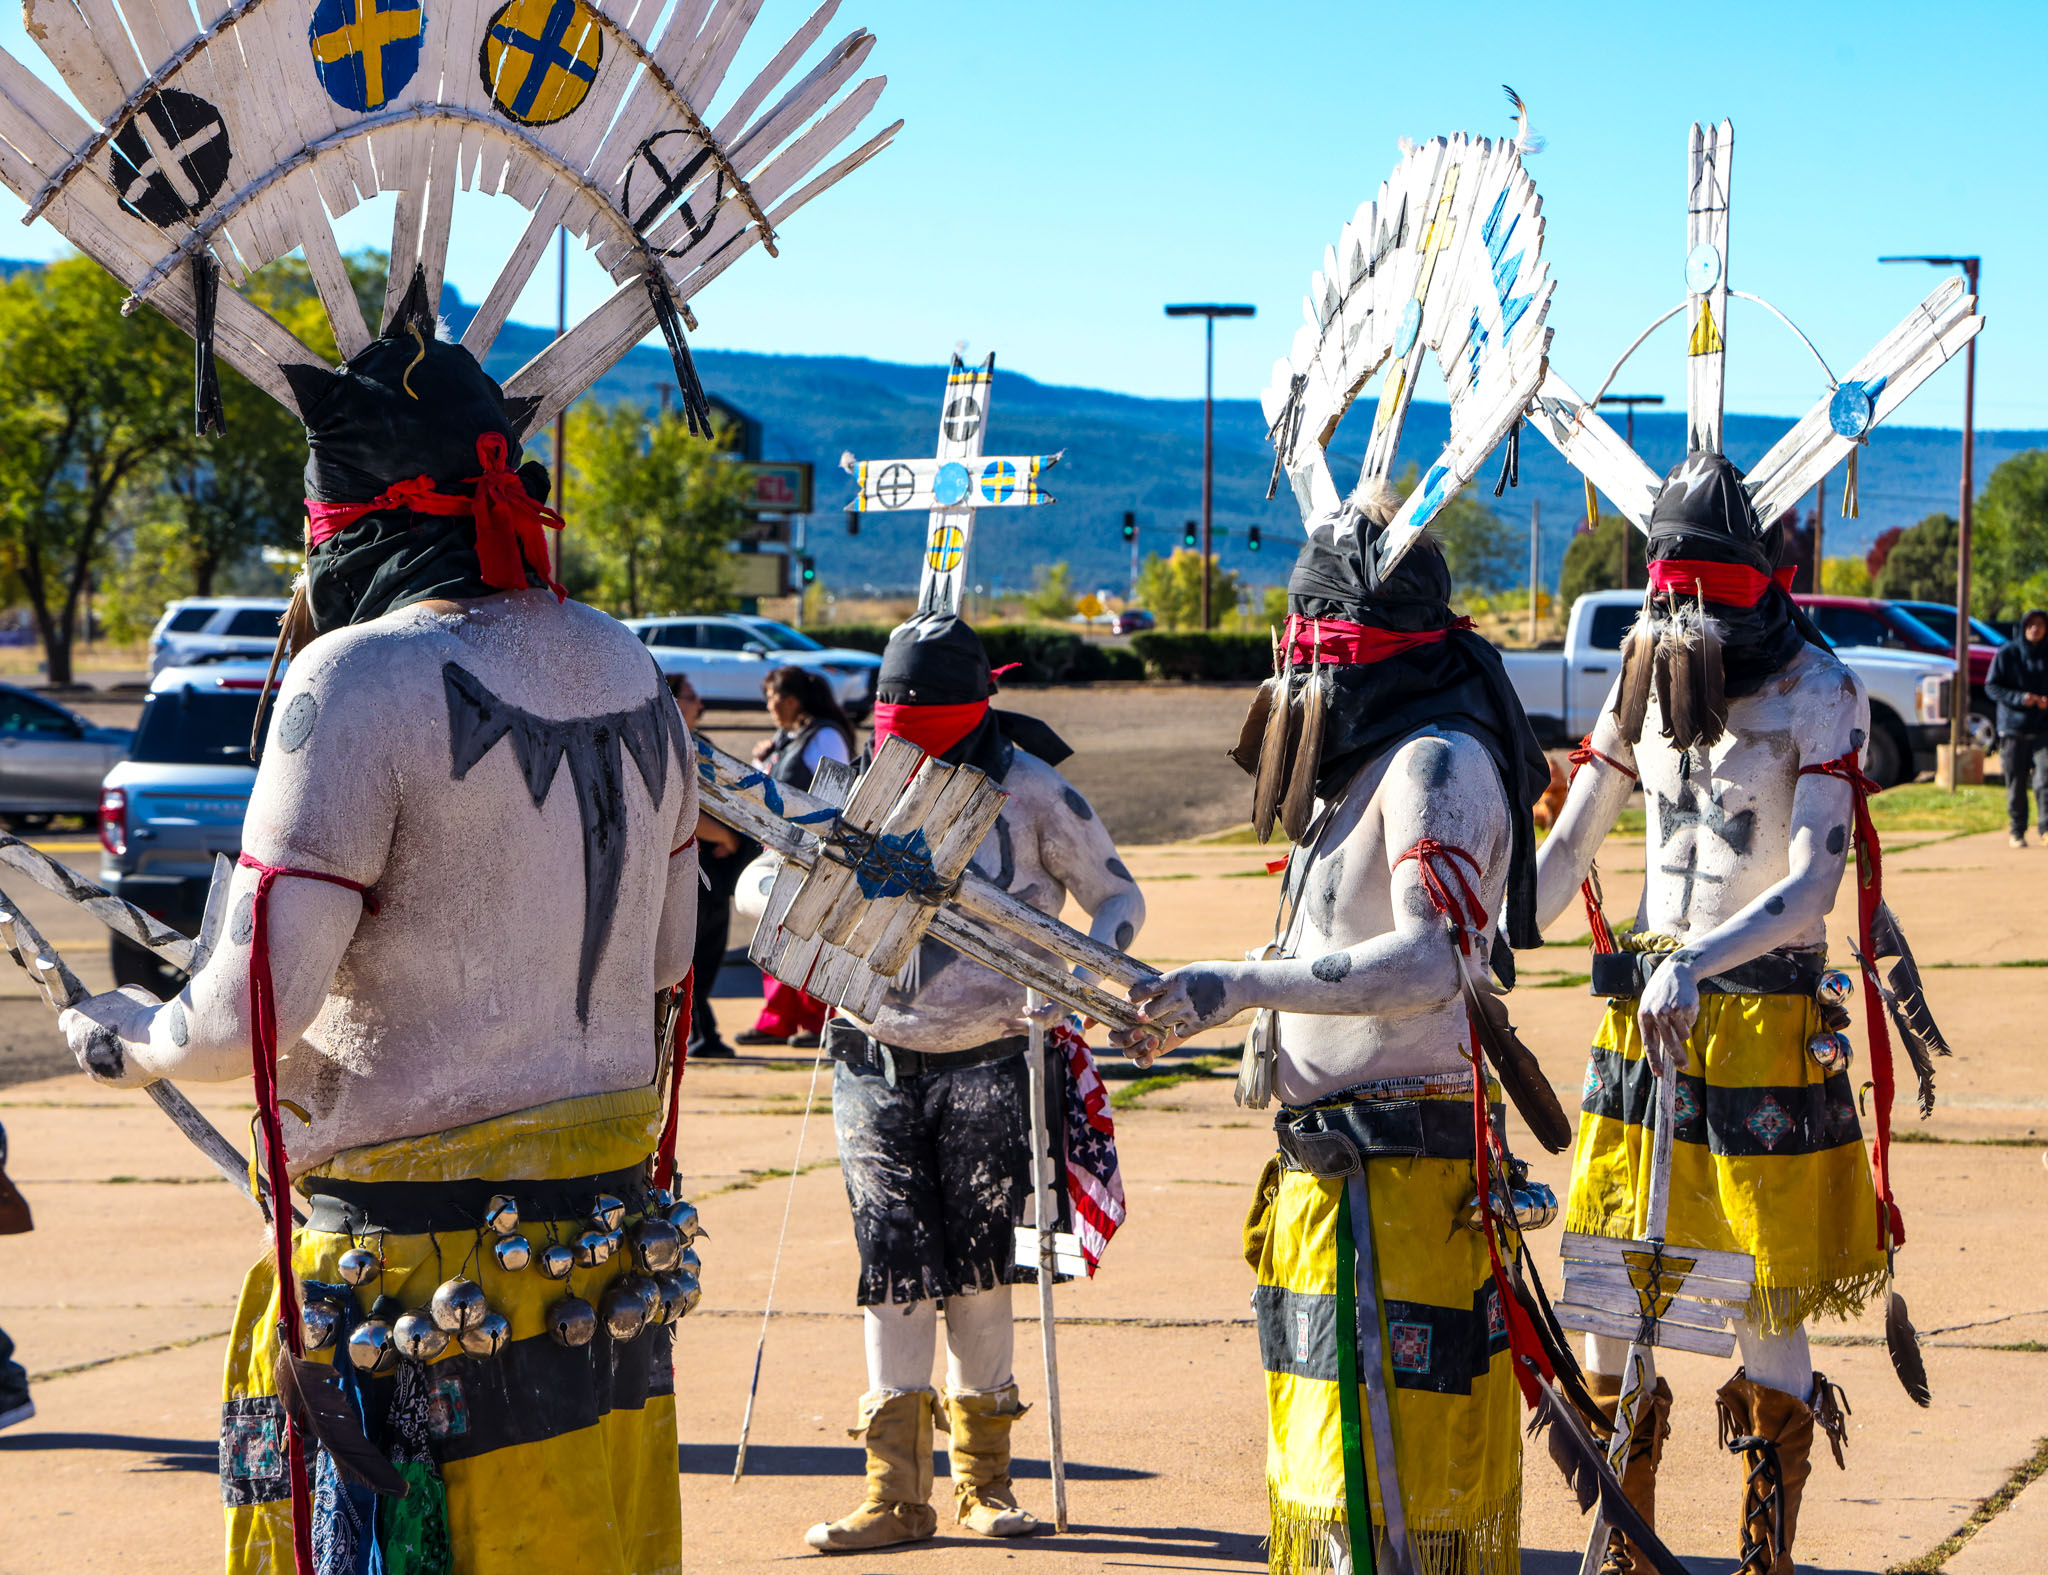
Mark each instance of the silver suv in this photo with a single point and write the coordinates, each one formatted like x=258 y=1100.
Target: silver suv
x=727 y=655
x=216 y=627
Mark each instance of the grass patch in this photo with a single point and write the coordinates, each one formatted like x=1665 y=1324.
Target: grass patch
x=1924 y=807
x=1235 y=836
x=750 y=1179
x=1201 y=1066
x=1630 y=822
x=1936 y=1559
x=1911 y=1135
x=1564 y=981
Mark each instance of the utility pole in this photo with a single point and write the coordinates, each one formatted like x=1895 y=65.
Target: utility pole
x=1210 y=312
x=561 y=416
x=1820 y=516
x=1959 y=706
x=1535 y=560
x=1629 y=436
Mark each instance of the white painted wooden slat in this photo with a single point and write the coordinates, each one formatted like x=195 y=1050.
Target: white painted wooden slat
x=784 y=62
x=337 y=297
x=723 y=33
x=1706 y=316
x=1595 y=449
x=1676 y=1337
x=1582 y=1247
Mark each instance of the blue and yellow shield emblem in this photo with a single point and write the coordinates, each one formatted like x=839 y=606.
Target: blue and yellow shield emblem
x=944 y=548
x=539 y=58
x=365 y=51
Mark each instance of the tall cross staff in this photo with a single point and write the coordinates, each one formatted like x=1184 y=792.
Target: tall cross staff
x=954 y=484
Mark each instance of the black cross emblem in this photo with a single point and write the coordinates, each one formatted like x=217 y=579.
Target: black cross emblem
x=171 y=131
x=1690 y=871
x=1690 y=809
x=672 y=184
x=894 y=486
x=963 y=418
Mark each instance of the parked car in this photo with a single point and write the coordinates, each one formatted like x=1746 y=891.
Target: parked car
x=51 y=760
x=201 y=625
x=1894 y=626
x=1941 y=618
x=1563 y=690
x=726 y=655
x=177 y=800
x=1133 y=620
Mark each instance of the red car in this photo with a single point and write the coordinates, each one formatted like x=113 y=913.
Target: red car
x=1866 y=620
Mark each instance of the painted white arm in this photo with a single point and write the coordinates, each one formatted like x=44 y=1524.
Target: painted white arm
x=1076 y=851
x=675 y=942
x=1598 y=795
x=1436 y=787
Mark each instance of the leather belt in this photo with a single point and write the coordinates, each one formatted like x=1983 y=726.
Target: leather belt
x=1625 y=974
x=1334 y=1140
x=866 y=1056
x=419 y=1208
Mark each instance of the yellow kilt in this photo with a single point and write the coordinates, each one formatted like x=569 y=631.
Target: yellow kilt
x=1767 y=1154
x=1452 y=1392
x=553 y=1459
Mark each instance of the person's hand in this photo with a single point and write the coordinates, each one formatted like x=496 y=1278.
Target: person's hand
x=763 y=749
x=1176 y=1006
x=1670 y=1006
x=102 y=1031
x=717 y=834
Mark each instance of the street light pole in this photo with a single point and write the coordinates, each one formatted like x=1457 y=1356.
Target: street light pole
x=1211 y=313
x=1959 y=706
x=1629 y=436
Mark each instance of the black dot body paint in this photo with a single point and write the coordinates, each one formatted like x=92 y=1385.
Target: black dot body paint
x=1838 y=839
x=1077 y=804
x=1333 y=968
x=103 y=1054
x=1125 y=934
x=1774 y=905
x=1120 y=870
x=1205 y=993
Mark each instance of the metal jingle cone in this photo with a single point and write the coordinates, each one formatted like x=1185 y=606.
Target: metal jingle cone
x=502 y=1215
x=1835 y=988
x=670 y=1288
x=608 y=1212
x=1831 y=1052
x=684 y=1217
x=557 y=1260
x=319 y=1321
x=660 y=1200
x=691 y=1294
x=418 y=1337
x=512 y=1252
x=371 y=1348
x=572 y=1321
x=592 y=1248
x=627 y=1305
x=689 y=1262
x=357 y=1265
x=657 y=1245
x=458 y=1304
x=489 y=1335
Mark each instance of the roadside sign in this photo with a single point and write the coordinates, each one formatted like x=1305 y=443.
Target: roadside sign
x=1089 y=606
x=759 y=574
x=779 y=487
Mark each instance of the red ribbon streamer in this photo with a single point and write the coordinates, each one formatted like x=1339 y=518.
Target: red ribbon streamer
x=1341 y=644
x=1891 y=1225
x=1596 y=921
x=665 y=1150
x=263 y=1055
x=1736 y=584
x=1524 y=1347
x=933 y=728
x=508 y=520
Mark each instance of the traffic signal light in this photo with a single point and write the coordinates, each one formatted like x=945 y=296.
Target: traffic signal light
x=853 y=522
x=1187 y=534
x=809 y=568
x=1251 y=537
x=1130 y=526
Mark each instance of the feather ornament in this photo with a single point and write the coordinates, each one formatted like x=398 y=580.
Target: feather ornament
x=1521 y=1075
x=1906 y=998
x=1632 y=695
x=1712 y=702
x=1577 y=1454
x=1298 y=803
x=1252 y=735
x=1271 y=776
x=1678 y=678
x=1902 y=1344
x=311 y=1392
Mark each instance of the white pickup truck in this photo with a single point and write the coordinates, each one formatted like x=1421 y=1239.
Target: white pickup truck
x=1563 y=690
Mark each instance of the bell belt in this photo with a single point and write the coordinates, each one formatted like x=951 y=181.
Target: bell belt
x=420 y=1208
x=1334 y=1139
x=1626 y=974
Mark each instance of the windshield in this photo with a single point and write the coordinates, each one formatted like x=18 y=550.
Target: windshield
x=780 y=637
x=1942 y=620
x=192 y=727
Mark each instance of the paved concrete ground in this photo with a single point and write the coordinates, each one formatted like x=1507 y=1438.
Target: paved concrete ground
x=120 y=1297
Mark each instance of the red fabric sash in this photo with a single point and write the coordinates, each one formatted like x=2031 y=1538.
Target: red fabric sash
x=263 y=1055
x=665 y=1149
x=1596 y=920
x=933 y=728
x=1734 y=583
x=508 y=521
x=1433 y=859
x=1891 y=1225
x=1342 y=644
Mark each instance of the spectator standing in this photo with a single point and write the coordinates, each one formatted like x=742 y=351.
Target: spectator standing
x=722 y=854
x=2018 y=682
x=15 y=1405
x=810 y=728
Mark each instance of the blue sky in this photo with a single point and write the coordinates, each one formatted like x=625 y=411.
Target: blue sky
x=1067 y=168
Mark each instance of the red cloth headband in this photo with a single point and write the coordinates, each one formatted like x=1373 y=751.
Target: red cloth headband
x=508 y=521
x=1736 y=584
x=933 y=728
x=1342 y=644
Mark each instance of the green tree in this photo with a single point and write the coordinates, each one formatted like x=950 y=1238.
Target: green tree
x=657 y=507
x=1921 y=566
x=2009 y=536
x=1592 y=562
x=1054 y=598
x=1171 y=588
x=1845 y=577
x=1484 y=552
x=94 y=401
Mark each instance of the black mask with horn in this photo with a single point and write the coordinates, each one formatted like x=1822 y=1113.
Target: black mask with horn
x=1716 y=623
x=1365 y=662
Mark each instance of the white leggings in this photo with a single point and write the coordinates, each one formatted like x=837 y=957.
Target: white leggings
x=902 y=1339
x=1777 y=1361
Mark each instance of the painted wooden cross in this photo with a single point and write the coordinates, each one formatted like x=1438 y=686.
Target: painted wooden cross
x=953 y=484
x=872 y=864
x=1821 y=439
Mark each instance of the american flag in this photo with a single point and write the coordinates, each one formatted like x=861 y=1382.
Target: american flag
x=1095 y=1182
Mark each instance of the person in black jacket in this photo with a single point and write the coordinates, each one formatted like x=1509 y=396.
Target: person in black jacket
x=2018 y=681
x=722 y=854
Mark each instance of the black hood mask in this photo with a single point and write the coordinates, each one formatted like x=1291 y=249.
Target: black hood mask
x=1311 y=740
x=936 y=659
x=409 y=405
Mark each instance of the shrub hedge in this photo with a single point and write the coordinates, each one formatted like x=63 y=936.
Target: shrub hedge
x=1194 y=657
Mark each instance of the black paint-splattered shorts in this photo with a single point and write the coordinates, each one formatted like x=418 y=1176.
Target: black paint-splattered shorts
x=938 y=1173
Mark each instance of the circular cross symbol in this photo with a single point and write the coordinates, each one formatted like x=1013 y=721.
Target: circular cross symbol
x=539 y=58
x=1411 y=325
x=1702 y=268
x=963 y=418
x=951 y=485
x=944 y=549
x=171 y=160
x=998 y=480
x=1850 y=411
x=365 y=51
x=895 y=486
